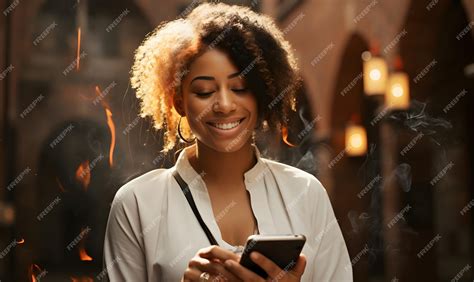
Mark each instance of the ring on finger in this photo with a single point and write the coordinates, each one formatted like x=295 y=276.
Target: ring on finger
x=204 y=277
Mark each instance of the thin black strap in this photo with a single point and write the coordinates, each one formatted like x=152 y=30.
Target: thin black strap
x=189 y=197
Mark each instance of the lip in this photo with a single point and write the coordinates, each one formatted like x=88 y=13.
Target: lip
x=226 y=132
x=228 y=120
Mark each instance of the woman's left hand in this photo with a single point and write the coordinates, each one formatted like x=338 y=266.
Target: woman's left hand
x=275 y=273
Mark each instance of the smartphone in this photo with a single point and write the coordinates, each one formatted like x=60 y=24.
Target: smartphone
x=283 y=250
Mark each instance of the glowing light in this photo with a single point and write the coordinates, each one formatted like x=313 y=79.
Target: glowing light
x=82 y=250
x=83 y=254
x=83 y=174
x=111 y=125
x=397 y=95
x=356 y=140
x=78 y=58
x=284 y=135
x=34 y=268
x=397 y=90
x=375 y=74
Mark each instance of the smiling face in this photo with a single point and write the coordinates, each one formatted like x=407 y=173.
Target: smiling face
x=220 y=109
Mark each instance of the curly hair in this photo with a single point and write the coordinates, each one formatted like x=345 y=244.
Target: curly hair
x=252 y=41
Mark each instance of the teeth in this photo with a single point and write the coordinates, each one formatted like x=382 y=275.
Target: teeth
x=226 y=126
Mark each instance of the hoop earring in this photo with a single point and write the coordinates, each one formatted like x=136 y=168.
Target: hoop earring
x=181 y=135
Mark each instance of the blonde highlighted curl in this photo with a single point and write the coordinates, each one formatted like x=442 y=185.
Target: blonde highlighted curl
x=254 y=44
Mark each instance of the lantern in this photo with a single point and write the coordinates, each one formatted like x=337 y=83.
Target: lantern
x=375 y=75
x=397 y=95
x=356 y=140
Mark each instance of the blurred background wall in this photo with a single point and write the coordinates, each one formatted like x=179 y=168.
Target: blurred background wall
x=70 y=135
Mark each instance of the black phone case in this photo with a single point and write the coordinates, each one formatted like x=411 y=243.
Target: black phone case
x=283 y=253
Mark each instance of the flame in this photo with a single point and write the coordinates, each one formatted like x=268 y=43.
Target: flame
x=21 y=241
x=34 y=268
x=83 y=174
x=110 y=123
x=284 y=133
x=83 y=254
x=82 y=250
x=99 y=93
x=78 y=58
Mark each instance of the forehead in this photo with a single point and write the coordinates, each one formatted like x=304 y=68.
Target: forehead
x=214 y=63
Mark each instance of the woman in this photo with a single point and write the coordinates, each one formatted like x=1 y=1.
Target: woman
x=217 y=75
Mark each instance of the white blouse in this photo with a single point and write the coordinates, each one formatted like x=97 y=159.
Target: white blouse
x=152 y=232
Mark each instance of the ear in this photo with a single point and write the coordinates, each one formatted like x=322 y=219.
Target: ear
x=178 y=104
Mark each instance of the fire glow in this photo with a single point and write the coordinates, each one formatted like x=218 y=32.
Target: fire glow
x=284 y=133
x=34 y=271
x=110 y=124
x=78 y=58
x=83 y=174
x=82 y=249
x=83 y=254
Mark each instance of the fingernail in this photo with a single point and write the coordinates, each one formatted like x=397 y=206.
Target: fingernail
x=254 y=256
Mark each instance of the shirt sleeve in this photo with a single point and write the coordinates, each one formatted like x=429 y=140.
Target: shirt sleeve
x=331 y=261
x=124 y=257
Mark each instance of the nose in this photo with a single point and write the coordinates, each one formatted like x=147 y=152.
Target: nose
x=224 y=102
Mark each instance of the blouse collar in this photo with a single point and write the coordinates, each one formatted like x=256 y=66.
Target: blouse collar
x=192 y=178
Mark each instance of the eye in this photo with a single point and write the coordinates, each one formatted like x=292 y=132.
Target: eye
x=240 y=90
x=203 y=94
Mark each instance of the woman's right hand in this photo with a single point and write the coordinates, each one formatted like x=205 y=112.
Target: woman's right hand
x=211 y=260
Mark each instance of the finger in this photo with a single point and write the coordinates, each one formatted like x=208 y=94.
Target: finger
x=194 y=274
x=298 y=270
x=268 y=265
x=191 y=274
x=213 y=268
x=203 y=265
x=242 y=272
x=216 y=252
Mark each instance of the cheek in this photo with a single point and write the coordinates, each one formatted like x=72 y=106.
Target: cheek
x=195 y=111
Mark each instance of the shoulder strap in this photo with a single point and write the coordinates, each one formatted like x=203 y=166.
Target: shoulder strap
x=189 y=197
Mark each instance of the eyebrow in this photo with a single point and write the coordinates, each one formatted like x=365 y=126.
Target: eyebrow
x=212 y=78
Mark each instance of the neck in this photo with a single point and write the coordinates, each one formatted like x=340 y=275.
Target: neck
x=222 y=168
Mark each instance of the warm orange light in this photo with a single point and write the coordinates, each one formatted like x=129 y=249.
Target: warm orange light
x=78 y=58
x=83 y=254
x=99 y=97
x=111 y=125
x=356 y=140
x=82 y=250
x=284 y=135
x=33 y=271
x=21 y=241
x=397 y=95
x=375 y=75
x=83 y=174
